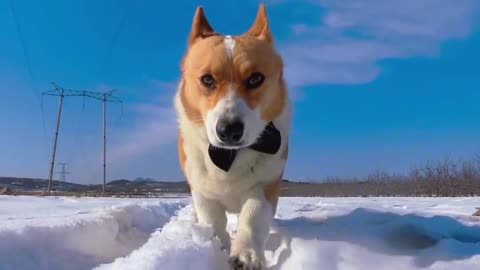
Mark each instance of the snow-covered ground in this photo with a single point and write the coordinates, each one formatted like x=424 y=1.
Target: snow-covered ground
x=308 y=233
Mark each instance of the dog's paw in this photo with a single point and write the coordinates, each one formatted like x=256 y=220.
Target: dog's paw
x=225 y=241
x=247 y=259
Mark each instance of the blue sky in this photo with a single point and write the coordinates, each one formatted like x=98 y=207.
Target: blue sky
x=385 y=85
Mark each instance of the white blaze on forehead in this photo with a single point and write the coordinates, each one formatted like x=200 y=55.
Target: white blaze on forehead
x=229 y=45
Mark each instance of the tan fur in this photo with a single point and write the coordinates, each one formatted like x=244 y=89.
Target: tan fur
x=181 y=154
x=191 y=109
x=285 y=152
x=272 y=192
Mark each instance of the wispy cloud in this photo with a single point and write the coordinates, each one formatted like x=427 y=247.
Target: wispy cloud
x=154 y=127
x=355 y=35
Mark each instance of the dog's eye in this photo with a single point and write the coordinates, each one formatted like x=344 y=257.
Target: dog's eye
x=208 y=81
x=255 y=80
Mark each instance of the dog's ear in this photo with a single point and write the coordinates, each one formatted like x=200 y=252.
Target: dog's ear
x=200 y=27
x=260 y=28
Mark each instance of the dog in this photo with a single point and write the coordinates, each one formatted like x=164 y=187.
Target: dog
x=234 y=116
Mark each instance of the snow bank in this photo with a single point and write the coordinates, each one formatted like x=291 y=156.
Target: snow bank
x=84 y=239
x=363 y=238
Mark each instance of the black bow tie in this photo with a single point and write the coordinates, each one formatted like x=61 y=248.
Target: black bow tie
x=269 y=143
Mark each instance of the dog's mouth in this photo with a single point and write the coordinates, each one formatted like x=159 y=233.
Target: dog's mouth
x=234 y=146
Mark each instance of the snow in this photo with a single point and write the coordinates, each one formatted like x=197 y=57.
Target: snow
x=308 y=233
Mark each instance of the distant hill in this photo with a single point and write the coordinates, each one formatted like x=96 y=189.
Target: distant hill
x=137 y=186
x=116 y=186
x=148 y=187
x=33 y=184
x=141 y=179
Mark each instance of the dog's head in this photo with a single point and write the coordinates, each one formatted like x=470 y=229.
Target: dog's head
x=232 y=85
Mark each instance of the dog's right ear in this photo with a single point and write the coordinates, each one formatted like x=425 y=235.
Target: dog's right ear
x=260 y=28
x=200 y=27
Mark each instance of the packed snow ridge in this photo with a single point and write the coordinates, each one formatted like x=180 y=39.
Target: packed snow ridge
x=308 y=233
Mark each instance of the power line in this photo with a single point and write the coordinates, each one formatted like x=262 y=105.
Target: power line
x=29 y=66
x=116 y=34
x=104 y=63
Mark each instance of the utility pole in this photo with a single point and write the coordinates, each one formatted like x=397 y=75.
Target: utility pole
x=104 y=97
x=63 y=171
x=104 y=143
x=60 y=93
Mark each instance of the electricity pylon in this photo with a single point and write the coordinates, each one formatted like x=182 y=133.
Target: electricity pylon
x=63 y=171
x=62 y=93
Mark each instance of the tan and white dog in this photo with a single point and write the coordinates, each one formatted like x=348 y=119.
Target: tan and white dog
x=234 y=115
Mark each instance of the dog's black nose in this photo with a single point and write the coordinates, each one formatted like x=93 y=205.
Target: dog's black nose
x=230 y=131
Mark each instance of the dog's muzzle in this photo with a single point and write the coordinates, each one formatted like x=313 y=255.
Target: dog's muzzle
x=230 y=131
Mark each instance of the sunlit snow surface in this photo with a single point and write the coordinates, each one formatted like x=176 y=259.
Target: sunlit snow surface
x=308 y=233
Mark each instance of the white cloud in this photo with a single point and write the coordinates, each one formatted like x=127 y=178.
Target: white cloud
x=155 y=125
x=155 y=128
x=355 y=35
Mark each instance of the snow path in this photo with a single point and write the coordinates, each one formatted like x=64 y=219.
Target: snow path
x=181 y=244
x=308 y=233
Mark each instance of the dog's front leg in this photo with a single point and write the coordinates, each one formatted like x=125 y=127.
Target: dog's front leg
x=252 y=230
x=212 y=213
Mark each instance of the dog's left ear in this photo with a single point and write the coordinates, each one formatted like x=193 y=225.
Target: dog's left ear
x=200 y=27
x=260 y=28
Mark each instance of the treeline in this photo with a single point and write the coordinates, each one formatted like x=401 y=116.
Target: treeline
x=443 y=179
